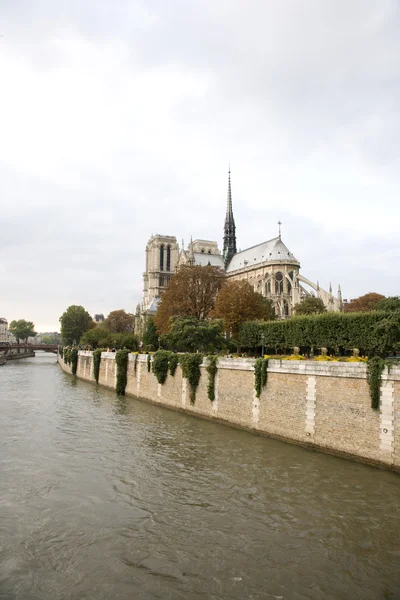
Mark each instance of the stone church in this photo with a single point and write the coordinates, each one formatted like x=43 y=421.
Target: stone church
x=269 y=267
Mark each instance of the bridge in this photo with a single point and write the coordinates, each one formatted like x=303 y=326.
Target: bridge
x=45 y=347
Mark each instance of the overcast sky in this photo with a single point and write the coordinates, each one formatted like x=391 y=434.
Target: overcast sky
x=119 y=119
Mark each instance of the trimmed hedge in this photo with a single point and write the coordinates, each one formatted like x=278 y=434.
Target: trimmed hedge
x=339 y=332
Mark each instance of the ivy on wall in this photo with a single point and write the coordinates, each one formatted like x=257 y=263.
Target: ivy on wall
x=375 y=367
x=67 y=356
x=121 y=358
x=173 y=363
x=60 y=351
x=190 y=364
x=211 y=369
x=160 y=365
x=74 y=360
x=148 y=363
x=96 y=363
x=260 y=375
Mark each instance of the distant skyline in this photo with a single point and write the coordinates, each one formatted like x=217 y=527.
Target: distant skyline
x=119 y=121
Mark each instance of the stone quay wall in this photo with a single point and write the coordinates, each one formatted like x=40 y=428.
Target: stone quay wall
x=323 y=406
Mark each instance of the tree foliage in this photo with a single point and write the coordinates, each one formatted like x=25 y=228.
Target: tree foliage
x=391 y=303
x=188 y=334
x=74 y=322
x=101 y=338
x=22 y=329
x=238 y=302
x=119 y=321
x=364 y=303
x=191 y=293
x=150 y=335
x=336 y=331
x=310 y=306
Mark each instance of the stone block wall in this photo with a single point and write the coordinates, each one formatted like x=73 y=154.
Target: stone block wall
x=325 y=406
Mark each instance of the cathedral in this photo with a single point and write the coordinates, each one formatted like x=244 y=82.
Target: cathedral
x=269 y=267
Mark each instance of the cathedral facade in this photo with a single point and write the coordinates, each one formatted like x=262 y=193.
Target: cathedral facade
x=269 y=267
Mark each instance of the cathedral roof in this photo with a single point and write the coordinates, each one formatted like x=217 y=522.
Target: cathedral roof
x=203 y=258
x=270 y=251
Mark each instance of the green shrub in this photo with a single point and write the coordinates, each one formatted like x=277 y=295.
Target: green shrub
x=190 y=364
x=211 y=369
x=122 y=357
x=339 y=332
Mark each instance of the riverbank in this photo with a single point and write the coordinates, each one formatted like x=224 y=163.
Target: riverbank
x=15 y=355
x=322 y=406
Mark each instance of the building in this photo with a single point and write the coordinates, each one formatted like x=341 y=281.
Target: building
x=5 y=335
x=270 y=267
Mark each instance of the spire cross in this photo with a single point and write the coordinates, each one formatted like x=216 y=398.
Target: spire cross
x=279 y=225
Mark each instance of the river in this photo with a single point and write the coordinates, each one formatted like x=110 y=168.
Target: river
x=113 y=498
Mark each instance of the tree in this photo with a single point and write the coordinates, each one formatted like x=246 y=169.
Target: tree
x=188 y=334
x=74 y=322
x=389 y=304
x=310 y=306
x=388 y=332
x=150 y=335
x=51 y=338
x=22 y=329
x=191 y=293
x=238 y=302
x=364 y=303
x=98 y=337
x=119 y=321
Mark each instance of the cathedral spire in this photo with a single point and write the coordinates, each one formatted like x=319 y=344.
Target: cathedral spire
x=229 y=228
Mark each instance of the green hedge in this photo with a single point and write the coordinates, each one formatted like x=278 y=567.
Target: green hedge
x=339 y=332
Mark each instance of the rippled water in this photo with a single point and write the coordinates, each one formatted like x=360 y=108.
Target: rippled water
x=104 y=497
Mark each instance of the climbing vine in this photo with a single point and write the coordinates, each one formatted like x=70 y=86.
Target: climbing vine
x=212 y=372
x=60 y=351
x=74 y=360
x=173 y=363
x=148 y=363
x=160 y=365
x=260 y=375
x=96 y=363
x=190 y=364
x=67 y=356
x=121 y=359
x=375 y=368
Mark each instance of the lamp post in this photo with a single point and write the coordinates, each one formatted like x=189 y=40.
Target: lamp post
x=262 y=345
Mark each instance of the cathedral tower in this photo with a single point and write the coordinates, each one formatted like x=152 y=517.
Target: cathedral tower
x=229 y=228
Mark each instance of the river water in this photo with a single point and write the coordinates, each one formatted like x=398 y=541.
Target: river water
x=112 y=498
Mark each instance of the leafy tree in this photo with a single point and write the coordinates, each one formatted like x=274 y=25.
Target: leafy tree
x=191 y=293
x=119 y=321
x=51 y=339
x=22 y=329
x=188 y=334
x=98 y=337
x=364 y=303
x=150 y=335
x=310 y=306
x=389 y=304
x=238 y=302
x=74 y=322
x=388 y=333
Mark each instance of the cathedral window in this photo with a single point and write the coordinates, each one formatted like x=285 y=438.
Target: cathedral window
x=162 y=281
x=168 y=258
x=278 y=283
x=268 y=287
x=162 y=257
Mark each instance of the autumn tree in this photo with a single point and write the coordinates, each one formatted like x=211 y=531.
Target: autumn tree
x=310 y=306
x=238 y=302
x=364 y=303
x=119 y=321
x=22 y=329
x=74 y=322
x=191 y=293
